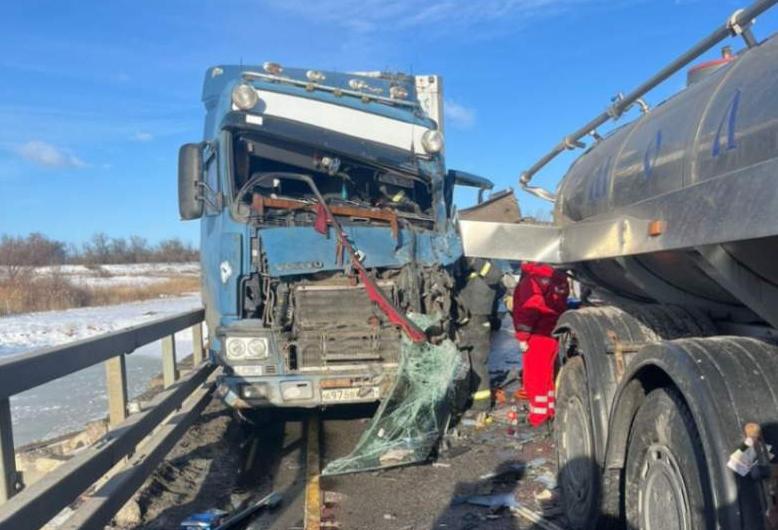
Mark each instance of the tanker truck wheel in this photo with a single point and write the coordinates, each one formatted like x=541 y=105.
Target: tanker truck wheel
x=578 y=470
x=666 y=477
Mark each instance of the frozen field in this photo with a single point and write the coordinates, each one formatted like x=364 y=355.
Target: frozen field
x=135 y=274
x=67 y=404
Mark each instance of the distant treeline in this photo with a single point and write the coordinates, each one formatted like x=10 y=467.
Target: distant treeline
x=37 y=250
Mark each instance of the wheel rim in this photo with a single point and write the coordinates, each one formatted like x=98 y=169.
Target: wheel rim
x=577 y=467
x=663 y=500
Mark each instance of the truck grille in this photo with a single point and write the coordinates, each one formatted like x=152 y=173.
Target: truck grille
x=338 y=325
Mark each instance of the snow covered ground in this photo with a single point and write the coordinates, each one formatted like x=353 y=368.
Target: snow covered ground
x=68 y=403
x=133 y=274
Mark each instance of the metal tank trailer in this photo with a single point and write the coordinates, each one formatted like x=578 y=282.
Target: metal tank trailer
x=672 y=221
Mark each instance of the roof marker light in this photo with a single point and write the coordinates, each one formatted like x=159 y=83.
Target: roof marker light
x=272 y=68
x=357 y=84
x=398 y=92
x=315 y=76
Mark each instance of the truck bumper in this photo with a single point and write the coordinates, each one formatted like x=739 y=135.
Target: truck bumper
x=303 y=390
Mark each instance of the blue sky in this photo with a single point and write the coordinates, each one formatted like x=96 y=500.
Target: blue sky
x=96 y=97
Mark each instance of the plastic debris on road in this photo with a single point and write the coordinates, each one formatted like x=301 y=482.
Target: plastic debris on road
x=204 y=521
x=500 y=500
x=410 y=421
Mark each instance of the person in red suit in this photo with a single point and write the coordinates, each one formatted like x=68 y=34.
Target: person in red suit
x=539 y=299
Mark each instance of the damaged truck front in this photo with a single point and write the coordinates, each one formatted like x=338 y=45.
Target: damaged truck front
x=292 y=160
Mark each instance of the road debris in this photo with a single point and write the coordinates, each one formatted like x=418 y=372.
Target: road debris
x=501 y=500
x=516 y=470
x=204 y=521
x=536 y=518
x=269 y=501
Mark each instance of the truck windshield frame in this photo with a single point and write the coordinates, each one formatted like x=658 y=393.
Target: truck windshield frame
x=348 y=181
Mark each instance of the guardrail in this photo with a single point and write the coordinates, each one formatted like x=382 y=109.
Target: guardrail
x=158 y=426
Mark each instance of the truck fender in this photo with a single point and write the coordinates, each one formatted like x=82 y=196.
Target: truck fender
x=592 y=329
x=607 y=338
x=725 y=383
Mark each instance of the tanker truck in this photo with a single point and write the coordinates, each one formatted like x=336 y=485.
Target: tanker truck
x=671 y=223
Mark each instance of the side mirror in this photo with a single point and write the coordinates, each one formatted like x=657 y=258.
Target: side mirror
x=463 y=178
x=190 y=174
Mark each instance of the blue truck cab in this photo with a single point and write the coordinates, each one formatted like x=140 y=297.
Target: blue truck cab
x=288 y=319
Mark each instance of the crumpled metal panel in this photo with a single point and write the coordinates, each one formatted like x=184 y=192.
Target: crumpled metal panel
x=511 y=241
x=302 y=250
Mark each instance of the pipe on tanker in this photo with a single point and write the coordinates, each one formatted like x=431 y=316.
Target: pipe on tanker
x=738 y=24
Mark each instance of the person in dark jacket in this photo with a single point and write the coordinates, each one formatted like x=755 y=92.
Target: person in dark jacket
x=480 y=296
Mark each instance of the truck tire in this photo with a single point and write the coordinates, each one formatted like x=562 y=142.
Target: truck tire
x=577 y=464
x=666 y=475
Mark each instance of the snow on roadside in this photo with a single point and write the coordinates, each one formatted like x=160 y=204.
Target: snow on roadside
x=127 y=269
x=66 y=404
x=130 y=274
x=20 y=333
x=115 y=281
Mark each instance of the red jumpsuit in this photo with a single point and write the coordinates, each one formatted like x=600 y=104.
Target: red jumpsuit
x=538 y=300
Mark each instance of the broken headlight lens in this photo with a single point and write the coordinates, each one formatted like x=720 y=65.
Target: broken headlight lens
x=244 y=96
x=432 y=141
x=240 y=348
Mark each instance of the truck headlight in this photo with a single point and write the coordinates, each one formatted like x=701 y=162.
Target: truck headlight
x=432 y=141
x=245 y=348
x=258 y=348
x=236 y=348
x=244 y=96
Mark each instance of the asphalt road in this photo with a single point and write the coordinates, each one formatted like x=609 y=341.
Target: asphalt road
x=224 y=463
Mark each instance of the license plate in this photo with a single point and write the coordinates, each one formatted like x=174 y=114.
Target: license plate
x=249 y=370
x=331 y=395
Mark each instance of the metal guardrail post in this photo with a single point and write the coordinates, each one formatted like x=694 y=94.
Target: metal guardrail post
x=116 y=388
x=197 y=344
x=169 y=368
x=8 y=474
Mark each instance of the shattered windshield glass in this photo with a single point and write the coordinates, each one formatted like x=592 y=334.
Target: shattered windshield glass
x=409 y=423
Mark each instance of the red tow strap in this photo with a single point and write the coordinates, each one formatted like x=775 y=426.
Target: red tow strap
x=374 y=292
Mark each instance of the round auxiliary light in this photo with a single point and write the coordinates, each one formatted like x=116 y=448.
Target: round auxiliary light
x=357 y=84
x=272 y=68
x=244 y=96
x=236 y=348
x=432 y=141
x=258 y=348
x=398 y=92
x=315 y=76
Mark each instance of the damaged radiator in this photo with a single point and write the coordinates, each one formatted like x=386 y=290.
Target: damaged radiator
x=336 y=325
